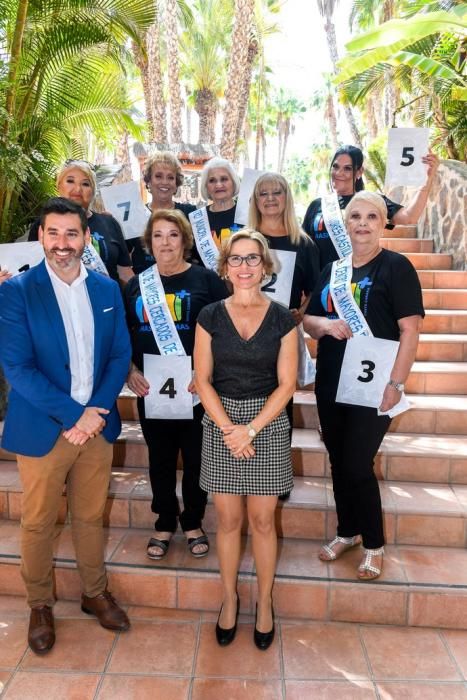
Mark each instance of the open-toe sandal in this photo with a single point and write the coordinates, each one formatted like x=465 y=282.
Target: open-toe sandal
x=367 y=571
x=328 y=553
x=193 y=542
x=163 y=545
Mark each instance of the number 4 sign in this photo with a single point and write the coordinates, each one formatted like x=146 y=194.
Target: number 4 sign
x=406 y=148
x=168 y=377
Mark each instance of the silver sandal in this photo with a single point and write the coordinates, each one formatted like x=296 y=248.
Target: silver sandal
x=367 y=566
x=330 y=554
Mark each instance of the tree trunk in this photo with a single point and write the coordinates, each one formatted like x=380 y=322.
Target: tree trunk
x=206 y=107
x=175 y=98
x=158 y=111
x=236 y=77
x=122 y=155
x=332 y=120
x=245 y=91
x=142 y=63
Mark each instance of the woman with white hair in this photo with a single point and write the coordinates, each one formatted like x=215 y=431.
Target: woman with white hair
x=219 y=185
x=380 y=289
x=76 y=181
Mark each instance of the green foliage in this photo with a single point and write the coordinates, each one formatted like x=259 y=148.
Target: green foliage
x=63 y=75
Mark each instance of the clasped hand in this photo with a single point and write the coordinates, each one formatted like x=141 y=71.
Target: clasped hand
x=88 y=426
x=238 y=441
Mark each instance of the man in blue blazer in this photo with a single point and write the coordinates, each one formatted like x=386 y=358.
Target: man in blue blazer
x=65 y=351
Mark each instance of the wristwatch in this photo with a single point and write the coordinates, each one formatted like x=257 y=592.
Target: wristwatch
x=397 y=385
x=251 y=431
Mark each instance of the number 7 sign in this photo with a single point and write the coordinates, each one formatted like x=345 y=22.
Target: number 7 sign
x=406 y=147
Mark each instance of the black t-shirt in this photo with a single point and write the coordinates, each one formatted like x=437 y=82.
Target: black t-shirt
x=306 y=270
x=106 y=237
x=386 y=289
x=222 y=226
x=314 y=225
x=245 y=368
x=141 y=259
x=186 y=293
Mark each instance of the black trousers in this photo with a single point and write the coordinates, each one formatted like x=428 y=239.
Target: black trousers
x=352 y=435
x=165 y=438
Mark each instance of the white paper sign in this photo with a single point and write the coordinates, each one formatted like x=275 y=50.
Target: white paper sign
x=19 y=257
x=246 y=190
x=279 y=286
x=125 y=204
x=365 y=371
x=406 y=147
x=168 y=377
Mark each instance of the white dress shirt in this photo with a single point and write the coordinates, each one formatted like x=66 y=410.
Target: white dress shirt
x=78 y=319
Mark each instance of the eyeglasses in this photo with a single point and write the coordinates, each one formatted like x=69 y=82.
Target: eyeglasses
x=78 y=162
x=252 y=260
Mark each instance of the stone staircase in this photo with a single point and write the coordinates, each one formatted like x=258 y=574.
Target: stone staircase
x=422 y=466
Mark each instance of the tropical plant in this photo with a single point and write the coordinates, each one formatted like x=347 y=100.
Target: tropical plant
x=287 y=108
x=426 y=53
x=63 y=72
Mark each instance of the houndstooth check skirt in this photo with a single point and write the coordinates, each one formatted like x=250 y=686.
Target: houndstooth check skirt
x=268 y=473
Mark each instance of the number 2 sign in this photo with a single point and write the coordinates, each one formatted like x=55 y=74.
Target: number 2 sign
x=406 y=148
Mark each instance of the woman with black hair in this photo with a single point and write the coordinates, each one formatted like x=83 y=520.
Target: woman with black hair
x=345 y=177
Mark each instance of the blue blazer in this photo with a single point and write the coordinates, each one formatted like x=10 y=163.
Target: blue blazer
x=35 y=359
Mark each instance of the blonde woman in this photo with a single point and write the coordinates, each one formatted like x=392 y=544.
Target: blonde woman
x=246 y=356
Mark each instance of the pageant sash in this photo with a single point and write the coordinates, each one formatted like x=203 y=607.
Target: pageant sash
x=157 y=310
x=346 y=307
x=92 y=260
x=332 y=216
x=203 y=238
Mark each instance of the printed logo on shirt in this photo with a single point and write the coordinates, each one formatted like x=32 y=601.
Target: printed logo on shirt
x=360 y=291
x=224 y=234
x=179 y=305
x=98 y=242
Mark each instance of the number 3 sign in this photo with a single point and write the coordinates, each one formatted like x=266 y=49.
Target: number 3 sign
x=406 y=148
x=366 y=370
x=168 y=377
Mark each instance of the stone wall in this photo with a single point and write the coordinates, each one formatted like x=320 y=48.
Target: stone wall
x=445 y=218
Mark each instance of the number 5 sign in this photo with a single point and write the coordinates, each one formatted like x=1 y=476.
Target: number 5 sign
x=124 y=203
x=365 y=371
x=406 y=147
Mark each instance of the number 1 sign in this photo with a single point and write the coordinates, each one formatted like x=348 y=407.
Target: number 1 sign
x=406 y=148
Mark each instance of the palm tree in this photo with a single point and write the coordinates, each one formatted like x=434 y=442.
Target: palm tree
x=287 y=107
x=238 y=67
x=426 y=52
x=65 y=73
x=175 y=97
x=326 y=10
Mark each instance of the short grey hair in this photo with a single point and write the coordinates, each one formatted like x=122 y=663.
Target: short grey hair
x=218 y=162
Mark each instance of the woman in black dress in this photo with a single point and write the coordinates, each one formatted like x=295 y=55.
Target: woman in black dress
x=246 y=358
x=188 y=288
x=346 y=179
x=76 y=181
x=385 y=288
x=220 y=185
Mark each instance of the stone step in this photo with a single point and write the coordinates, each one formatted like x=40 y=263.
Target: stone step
x=442 y=321
x=430 y=261
x=437 y=378
x=445 y=299
x=422 y=513
x=443 y=279
x=429 y=415
x=401 y=232
x=442 y=347
x=420 y=586
x=407 y=245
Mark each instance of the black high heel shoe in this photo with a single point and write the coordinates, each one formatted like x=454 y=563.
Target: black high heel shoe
x=263 y=640
x=226 y=636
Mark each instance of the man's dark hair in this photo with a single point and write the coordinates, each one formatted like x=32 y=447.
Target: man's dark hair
x=356 y=156
x=60 y=205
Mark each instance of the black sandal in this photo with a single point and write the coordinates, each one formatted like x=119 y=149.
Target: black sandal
x=162 y=544
x=192 y=542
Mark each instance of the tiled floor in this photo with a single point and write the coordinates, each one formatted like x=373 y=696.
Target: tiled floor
x=173 y=655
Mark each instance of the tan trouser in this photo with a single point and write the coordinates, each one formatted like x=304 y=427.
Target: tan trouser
x=86 y=471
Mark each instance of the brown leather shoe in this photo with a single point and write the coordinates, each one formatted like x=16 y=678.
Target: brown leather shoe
x=107 y=611
x=41 y=634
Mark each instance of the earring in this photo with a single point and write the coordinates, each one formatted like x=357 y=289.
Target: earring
x=264 y=275
x=226 y=276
